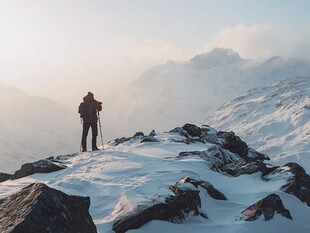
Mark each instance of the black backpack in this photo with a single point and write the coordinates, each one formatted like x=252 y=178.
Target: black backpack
x=86 y=111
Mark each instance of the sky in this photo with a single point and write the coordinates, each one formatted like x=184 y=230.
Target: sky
x=64 y=48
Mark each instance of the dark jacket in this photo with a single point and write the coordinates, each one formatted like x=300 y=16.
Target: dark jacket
x=96 y=107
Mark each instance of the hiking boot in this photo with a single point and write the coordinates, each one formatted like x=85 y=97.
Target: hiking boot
x=95 y=148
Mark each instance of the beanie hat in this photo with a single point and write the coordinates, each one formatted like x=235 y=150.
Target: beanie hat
x=89 y=93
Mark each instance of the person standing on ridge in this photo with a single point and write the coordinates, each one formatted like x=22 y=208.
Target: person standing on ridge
x=88 y=114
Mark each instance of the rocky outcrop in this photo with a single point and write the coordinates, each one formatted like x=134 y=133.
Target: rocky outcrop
x=177 y=208
x=212 y=191
x=41 y=166
x=234 y=144
x=149 y=139
x=192 y=130
x=4 y=177
x=267 y=207
x=41 y=209
x=298 y=183
x=243 y=167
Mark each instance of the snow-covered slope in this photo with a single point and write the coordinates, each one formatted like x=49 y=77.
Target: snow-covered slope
x=176 y=93
x=274 y=119
x=33 y=127
x=130 y=174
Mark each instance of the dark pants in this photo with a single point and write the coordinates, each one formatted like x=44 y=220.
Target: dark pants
x=94 y=129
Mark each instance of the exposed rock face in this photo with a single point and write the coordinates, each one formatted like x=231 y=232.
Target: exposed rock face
x=298 y=184
x=149 y=139
x=212 y=191
x=4 y=177
x=242 y=167
x=268 y=206
x=192 y=130
x=41 y=166
x=177 y=208
x=234 y=144
x=40 y=209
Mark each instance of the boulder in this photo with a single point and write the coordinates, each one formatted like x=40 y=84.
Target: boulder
x=149 y=139
x=41 y=209
x=41 y=166
x=212 y=191
x=4 y=177
x=177 y=208
x=267 y=207
x=152 y=133
x=192 y=130
x=180 y=131
x=298 y=183
x=234 y=144
x=138 y=134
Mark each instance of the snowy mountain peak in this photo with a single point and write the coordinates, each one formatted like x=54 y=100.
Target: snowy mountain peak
x=217 y=57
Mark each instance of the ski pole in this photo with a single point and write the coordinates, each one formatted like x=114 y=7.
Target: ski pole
x=100 y=129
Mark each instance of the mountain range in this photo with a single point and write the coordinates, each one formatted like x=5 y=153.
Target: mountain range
x=181 y=92
x=275 y=119
x=34 y=127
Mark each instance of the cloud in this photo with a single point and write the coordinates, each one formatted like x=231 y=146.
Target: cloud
x=249 y=41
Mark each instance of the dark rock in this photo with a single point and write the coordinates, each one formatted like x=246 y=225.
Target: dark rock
x=254 y=155
x=180 y=131
x=192 y=130
x=298 y=183
x=215 y=155
x=268 y=206
x=41 y=209
x=243 y=167
x=149 y=139
x=4 y=177
x=152 y=133
x=121 y=140
x=41 y=166
x=234 y=144
x=212 y=191
x=176 y=208
x=138 y=134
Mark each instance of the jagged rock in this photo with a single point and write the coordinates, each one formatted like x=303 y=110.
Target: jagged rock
x=121 y=140
x=243 y=167
x=192 y=130
x=4 y=177
x=149 y=139
x=268 y=206
x=138 y=134
x=41 y=166
x=212 y=191
x=152 y=133
x=180 y=131
x=215 y=155
x=298 y=183
x=234 y=144
x=177 y=208
x=39 y=208
x=254 y=155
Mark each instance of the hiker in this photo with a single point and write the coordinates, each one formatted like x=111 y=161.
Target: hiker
x=88 y=113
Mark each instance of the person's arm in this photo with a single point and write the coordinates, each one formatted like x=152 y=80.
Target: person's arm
x=98 y=105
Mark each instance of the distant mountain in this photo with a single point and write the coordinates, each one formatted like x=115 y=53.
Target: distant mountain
x=177 y=93
x=274 y=119
x=33 y=127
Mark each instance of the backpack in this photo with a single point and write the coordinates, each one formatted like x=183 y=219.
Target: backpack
x=86 y=110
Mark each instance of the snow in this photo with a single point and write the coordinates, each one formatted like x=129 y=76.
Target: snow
x=273 y=119
x=186 y=92
x=123 y=177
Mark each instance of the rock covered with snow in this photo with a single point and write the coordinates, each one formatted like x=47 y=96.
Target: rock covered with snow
x=39 y=208
x=273 y=119
x=176 y=208
x=268 y=207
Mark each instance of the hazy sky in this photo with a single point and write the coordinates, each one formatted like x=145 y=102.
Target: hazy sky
x=63 y=48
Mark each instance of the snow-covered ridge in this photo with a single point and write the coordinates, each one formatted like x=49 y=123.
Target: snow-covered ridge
x=132 y=173
x=179 y=92
x=274 y=119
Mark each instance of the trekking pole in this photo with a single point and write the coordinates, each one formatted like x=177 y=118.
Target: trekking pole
x=100 y=129
x=81 y=137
